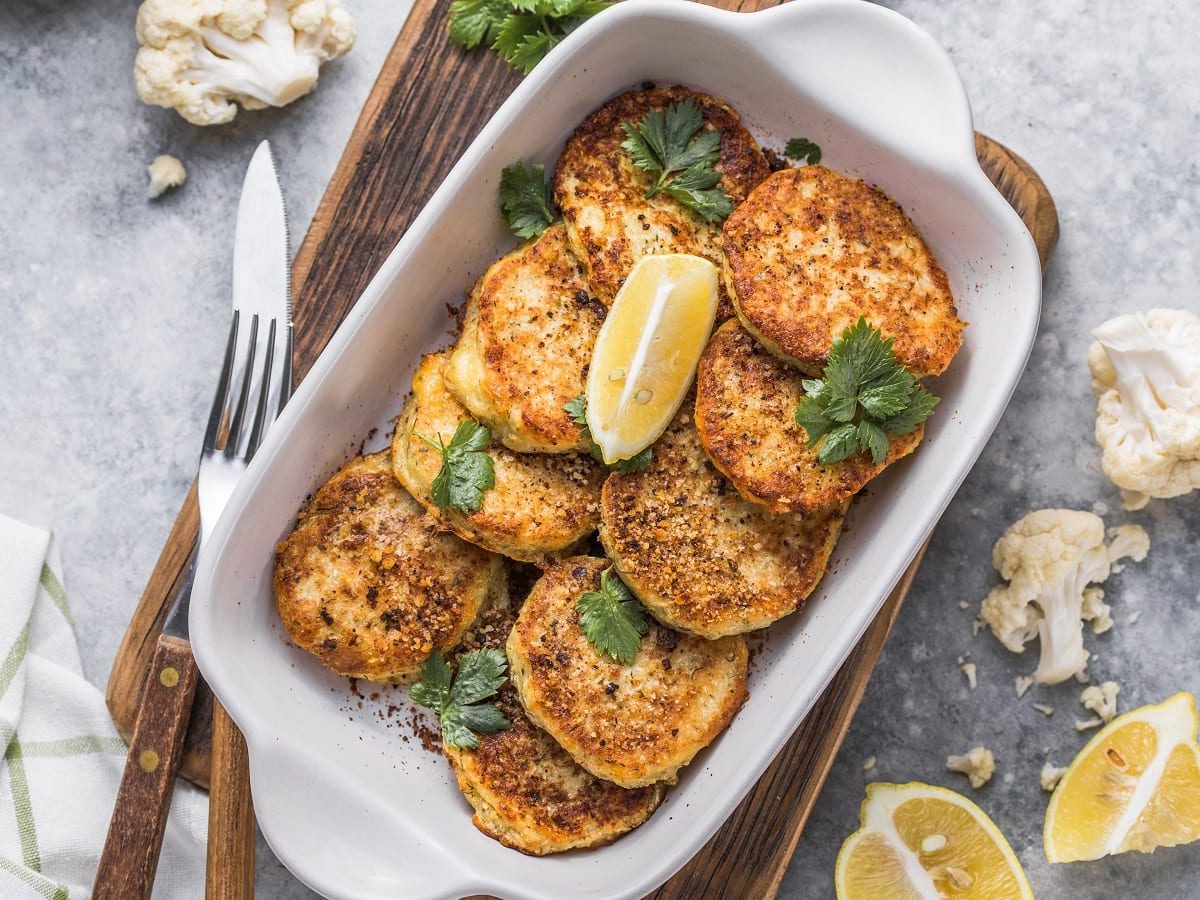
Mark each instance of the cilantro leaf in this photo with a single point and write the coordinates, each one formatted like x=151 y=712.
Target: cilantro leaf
x=577 y=410
x=803 y=150
x=525 y=199
x=612 y=618
x=467 y=469
x=475 y=22
x=480 y=675
x=679 y=154
x=521 y=31
x=863 y=397
x=456 y=698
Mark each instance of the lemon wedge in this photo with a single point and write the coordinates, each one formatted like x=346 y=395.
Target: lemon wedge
x=920 y=842
x=1135 y=786
x=646 y=353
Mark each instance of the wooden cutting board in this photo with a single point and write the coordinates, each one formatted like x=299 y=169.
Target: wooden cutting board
x=429 y=102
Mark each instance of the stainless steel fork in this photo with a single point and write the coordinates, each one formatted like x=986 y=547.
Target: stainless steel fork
x=254 y=385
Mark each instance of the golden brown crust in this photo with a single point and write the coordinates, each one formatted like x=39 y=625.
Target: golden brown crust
x=602 y=195
x=810 y=251
x=540 y=505
x=527 y=791
x=746 y=401
x=698 y=555
x=528 y=332
x=633 y=725
x=369 y=584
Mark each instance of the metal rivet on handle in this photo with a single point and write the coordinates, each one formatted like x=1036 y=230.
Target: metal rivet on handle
x=148 y=760
x=169 y=677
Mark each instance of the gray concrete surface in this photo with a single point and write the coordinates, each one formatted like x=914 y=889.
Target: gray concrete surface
x=112 y=313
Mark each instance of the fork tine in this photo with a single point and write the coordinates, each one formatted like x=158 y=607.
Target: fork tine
x=285 y=387
x=217 y=413
x=264 y=395
x=235 y=425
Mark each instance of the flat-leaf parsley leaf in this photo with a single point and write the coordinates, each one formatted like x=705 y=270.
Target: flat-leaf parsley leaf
x=864 y=396
x=612 y=618
x=457 y=699
x=577 y=410
x=676 y=151
x=521 y=31
x=525 y=199
x=803 y=150
x=467 y=470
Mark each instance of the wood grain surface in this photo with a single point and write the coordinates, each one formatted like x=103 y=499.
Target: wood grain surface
x=135 y=833
x=410 y=132
x=231 y=824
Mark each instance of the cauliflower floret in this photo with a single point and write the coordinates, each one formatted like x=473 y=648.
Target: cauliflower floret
x=1049 y=558
x=1101 y=699
x=165 y=172
x=1146 y=373
x=202 y=57
x=978 y=764
x=1051 y=775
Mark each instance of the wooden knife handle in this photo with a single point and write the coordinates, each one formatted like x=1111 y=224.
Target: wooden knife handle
x=135 y=833
x=231 y=827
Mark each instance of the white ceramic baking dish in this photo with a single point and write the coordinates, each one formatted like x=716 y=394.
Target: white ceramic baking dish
x=349 y=805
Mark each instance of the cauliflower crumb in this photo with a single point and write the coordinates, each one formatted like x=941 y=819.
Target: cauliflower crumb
x=978 y=764
x=1133 y=617
x=968 y=669
x=868 y=763
x=1051 y=776
x=1023 y=683
x=1086 y=724
x=1044 y=709
x=166 y=172
x=963 y=604
x=977 y=626
x=1102 y=699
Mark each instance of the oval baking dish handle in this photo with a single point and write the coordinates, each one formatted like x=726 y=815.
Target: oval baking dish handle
x=293 y=812
x=904 y=88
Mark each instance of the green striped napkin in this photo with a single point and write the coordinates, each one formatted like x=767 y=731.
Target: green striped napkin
x=62 y=756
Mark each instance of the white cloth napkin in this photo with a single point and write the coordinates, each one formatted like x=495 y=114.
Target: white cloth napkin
x=62 y=755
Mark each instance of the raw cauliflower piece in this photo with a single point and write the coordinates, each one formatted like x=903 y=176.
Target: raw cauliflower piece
x=166 y=172
x=978 y=764
x=202 y=57
x=1146 y=374
x=1049 y=558
x=1051 y=775
x=1101 y=699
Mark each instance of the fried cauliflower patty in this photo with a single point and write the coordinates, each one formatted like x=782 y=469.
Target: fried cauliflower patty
x=528 y=332
x=369 y=584
x=632 y=725
x=746 y=402
x=699 y=556
x=602 y=195
x=527 y=791
x=810 y=251
x=539 y=505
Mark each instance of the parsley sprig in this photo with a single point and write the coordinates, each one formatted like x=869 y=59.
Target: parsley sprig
x=577 y=410
x=865 y=397
x=467 y=470
x=679 y=155
x=525 y=199
x=612 y=619
x=803 y=150
x=457 y=698
x=521 y=31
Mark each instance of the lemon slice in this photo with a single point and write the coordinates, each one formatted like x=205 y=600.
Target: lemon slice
x=1135 y=786
x=920 y=842
x=647 y=350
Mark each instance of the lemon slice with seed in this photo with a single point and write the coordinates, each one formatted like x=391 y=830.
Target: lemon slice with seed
x=647 y=351
x=1135 y=786
x=920 y=842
